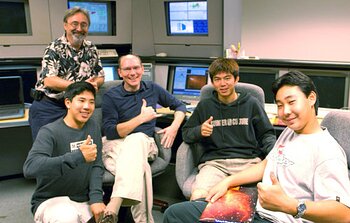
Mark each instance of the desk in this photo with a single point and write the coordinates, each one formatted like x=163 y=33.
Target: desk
x=16 y=122
x=15 y=143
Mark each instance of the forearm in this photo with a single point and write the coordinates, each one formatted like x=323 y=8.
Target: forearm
x=326 y=211
x=56 y=83
x=178 y=119
x=250 y=175
x=100 y=81
x=192 y=135
x=125 y=128
x=39 y=165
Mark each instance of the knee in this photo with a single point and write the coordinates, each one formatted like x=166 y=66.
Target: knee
x=198 y=193
x=55 y=214
x=171 y=214
x=136 y=137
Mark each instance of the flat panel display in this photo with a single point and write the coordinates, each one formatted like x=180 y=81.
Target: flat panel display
x=331 y=90
x=186 y=18
x=102 y=16
x=262 y=78
x=185 y=82
x=111 y=73
x=29 y=79
x=15 y=17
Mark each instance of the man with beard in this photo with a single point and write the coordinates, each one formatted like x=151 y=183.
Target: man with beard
x=68 y=59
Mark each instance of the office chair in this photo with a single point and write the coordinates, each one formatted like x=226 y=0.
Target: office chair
x=187 y=156
x=337 y=122
x=158 y=166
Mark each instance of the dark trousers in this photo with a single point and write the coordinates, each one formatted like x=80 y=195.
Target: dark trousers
x=43 y=112
x=190 y=211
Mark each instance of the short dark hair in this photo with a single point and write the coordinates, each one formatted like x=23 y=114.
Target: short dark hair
x=296 y=78
x=72 y=11
x=226 y=65
x=77 y=88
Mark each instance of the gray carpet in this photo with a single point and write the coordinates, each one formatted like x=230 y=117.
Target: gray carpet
x=15 y=195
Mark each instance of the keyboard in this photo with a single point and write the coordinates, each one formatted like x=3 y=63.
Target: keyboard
x=11 y=113
x=105 y=53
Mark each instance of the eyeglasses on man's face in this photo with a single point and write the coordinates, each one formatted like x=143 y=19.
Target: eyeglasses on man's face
x=129 y=69
x=83 y=25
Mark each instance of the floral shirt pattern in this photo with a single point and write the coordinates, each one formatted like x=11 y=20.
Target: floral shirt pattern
x=62 y=60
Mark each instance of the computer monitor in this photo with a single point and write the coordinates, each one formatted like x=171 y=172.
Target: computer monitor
x=102 y=16
x=111 y=73
x=180 y=40
x=29 y=79
x=15 y=18
x=260 y=77
x=332 y=88
x=186 y=18
x=185 y=82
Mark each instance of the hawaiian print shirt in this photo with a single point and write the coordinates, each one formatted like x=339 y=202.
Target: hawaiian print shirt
x=62 y=60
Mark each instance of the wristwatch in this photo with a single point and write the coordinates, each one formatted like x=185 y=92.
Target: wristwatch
x=301 y=208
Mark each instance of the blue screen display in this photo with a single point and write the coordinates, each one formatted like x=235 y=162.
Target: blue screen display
x=187 y=18
x=100 y=15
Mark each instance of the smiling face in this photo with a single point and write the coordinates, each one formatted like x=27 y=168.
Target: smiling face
x=76 y=29
x=296 y=110
x=80 y=109
x=224 y=83
x=131 y=70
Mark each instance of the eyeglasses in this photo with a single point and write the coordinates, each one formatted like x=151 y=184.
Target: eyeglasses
x=128 y=69
x=83 y=25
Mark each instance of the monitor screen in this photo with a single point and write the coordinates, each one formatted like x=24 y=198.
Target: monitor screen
x=111 y=73
x=186 y=18
x=102 y=16
x=187 y=81
x=29 y=78
x=326 y=86
x=262 y=78
x=15 y=17
x=11 y=90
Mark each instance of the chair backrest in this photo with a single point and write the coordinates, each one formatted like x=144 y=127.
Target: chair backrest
x=252 y=89
x=97 y=116
x=337 y=123
x=103 y=89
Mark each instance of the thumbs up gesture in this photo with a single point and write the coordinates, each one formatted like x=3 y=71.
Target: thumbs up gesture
x=89 y=150
x=272 y=197
x=147 y=113
x=207 y=127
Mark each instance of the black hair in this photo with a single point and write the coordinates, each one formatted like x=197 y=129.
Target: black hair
x=296 y=78
x=77 y=88
x=223 y=65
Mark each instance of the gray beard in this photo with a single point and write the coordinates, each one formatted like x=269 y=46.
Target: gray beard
x=78 y=39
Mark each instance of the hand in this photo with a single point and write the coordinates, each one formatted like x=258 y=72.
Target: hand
x=169 y=136
x=217 y=191
x=89 y=151
x=207 y=127
x=272 y=197
x=147 y=113
x=93 y=81
x=97 y=209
